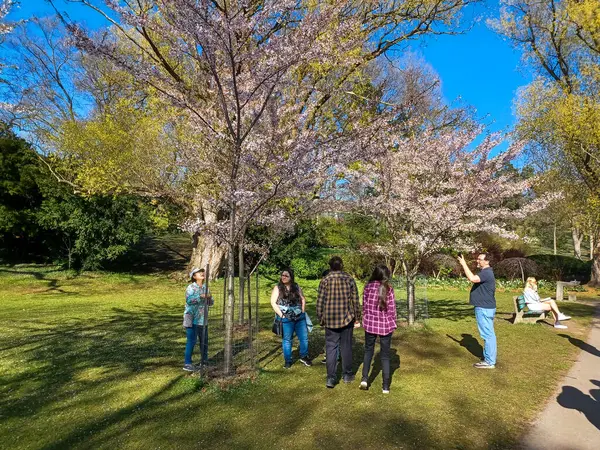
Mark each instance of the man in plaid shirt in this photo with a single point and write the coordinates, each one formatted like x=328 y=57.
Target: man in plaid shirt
x=338 y=310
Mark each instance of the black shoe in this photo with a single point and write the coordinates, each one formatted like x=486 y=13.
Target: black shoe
x=324 y=361
x=349 y=378
x=307 y=362
x=200 y=366
x=287 y=365
x=330 y=383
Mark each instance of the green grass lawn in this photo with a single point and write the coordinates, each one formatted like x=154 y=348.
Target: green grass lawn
x=94 y=361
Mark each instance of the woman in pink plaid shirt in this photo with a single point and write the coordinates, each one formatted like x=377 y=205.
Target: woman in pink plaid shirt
x=379 y=319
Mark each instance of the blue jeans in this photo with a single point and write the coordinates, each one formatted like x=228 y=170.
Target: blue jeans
x=485 y=323
x=289 y=328
x=196 y=333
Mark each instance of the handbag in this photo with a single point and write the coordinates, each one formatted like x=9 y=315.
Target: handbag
x=277 y=327
x=188 y=320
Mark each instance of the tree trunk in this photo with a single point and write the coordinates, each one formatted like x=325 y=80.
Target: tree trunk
x=554 y=236
x=410 y=299
x=591 y=245
x=522 y=272
x=595 y=275
x=228 y=350
x=577 y=238
x=207 y=251
x=249 y=290
x=410 y=292
x=241 y=270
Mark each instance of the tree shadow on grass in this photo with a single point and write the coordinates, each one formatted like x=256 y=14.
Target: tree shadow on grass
x=470 y=343
x=588 y=405
x=394 y=431
x=453 y=310
x=121 y=345
x=106 y=421
x=52 y=284
x=388 y=426
x=126 y=342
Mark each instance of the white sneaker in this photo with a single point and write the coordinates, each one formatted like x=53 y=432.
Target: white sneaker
x=364 y=385
x=560 y=326
x=563 y=317
x=385 y=391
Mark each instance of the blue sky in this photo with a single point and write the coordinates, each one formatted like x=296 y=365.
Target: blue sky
x=79 y=13
x=478 y=66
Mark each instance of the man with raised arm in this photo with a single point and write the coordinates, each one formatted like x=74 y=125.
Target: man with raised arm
x=483 y=298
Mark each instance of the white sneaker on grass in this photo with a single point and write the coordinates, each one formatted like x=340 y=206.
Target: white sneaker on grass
x=562 y=316
x=484 y=365
x=385 y=391
x=560 y=326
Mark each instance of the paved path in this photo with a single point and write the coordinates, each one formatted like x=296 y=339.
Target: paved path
x=571 y=421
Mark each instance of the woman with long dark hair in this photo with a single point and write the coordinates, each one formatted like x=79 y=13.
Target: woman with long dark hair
x=288 y=303
x=379 y=319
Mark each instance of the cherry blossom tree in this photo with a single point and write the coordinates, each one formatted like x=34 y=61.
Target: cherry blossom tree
x=436 y=190
x=236 y=70
x=5 y=6
x=261 y=85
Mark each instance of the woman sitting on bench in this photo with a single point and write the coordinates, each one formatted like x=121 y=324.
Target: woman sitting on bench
x=537 y=304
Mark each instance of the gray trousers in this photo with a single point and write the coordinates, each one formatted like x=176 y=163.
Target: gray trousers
x=339 y=338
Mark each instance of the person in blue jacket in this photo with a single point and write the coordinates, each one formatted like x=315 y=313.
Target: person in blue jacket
x=195 y=320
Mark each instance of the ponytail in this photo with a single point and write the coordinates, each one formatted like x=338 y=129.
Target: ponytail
x=382 y=274
x=384 y=289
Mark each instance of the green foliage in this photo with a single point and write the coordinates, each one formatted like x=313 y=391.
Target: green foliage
x=311 y=268
x=307 y=250
x=563 y=268
x=499 y=248
x=464 y=284
x=41 y=219
x=301 y=249
x=349 y=231
x=359 y=264
x=19 y=195
x=96 y=229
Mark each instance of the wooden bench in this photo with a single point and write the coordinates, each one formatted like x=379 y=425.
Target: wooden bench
x=522 y=313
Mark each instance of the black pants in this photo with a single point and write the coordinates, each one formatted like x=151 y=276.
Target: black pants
x=339 y=338
x=385 y=343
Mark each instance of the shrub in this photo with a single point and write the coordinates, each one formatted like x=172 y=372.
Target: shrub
x=310 y=268
x=520 y=268
x=360 y=264
x=513 y=253
x=440 y=266
x=562 y=268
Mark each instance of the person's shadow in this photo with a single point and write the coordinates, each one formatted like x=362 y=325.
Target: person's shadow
x=581 y=344
x=470 y=343
x=589 y=405
x=394 y=365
